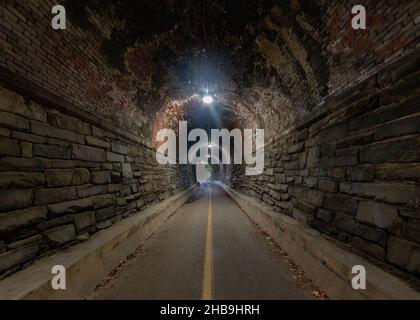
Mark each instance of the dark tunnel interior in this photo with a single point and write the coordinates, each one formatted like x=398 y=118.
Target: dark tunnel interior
x=81 y=109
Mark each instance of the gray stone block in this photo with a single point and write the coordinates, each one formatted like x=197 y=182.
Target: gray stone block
x=127 y=173
x=13 y=121
x=69 y=123
x=114 y=157
x=9 y=147
x=89 y=190
x=340 y=202
x=51 y=152
x=96 y=142
x=349 y=224
x=88 y=153
x=84 y=220
x=403 y=150
x=404 y=254
x=67 y=177
x=61 y=235
x=12 y=199
x=18 y=256
x=45 y=130
x=11 y=221
x=378 y=214
x=119 y=148
x=71 y=207
x=48 y=196
x=101 y=177
x=9 y=180
x=105 y=213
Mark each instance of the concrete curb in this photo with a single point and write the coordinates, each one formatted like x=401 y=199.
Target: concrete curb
x=89 y=262
x=328 y=265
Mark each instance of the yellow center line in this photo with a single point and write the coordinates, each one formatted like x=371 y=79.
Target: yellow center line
x=208 y=272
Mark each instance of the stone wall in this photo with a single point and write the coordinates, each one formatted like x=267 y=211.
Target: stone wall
x=352 y=170
x=63 y=179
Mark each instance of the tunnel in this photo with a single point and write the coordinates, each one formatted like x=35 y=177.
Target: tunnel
x=307 y=187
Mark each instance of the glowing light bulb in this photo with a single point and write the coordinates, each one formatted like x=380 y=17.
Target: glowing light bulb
x=207 y=99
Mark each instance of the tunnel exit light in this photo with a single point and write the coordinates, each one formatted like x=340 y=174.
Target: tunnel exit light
x=207 y=99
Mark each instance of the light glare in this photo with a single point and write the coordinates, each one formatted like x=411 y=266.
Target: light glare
x=207 y=99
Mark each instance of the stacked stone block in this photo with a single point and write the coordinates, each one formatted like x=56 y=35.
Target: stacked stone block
x=352 y=171
x=62 y=179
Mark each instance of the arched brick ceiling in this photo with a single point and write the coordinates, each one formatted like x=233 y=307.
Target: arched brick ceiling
x=276 y=58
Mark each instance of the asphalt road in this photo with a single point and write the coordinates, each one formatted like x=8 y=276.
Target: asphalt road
x=208 y=250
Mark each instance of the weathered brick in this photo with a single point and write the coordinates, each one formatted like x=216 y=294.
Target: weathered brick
x=67 y=177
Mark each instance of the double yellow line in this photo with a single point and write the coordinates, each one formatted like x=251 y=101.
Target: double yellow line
x=208 y=272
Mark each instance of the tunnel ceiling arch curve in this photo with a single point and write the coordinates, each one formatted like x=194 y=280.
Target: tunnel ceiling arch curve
x=278 y=58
